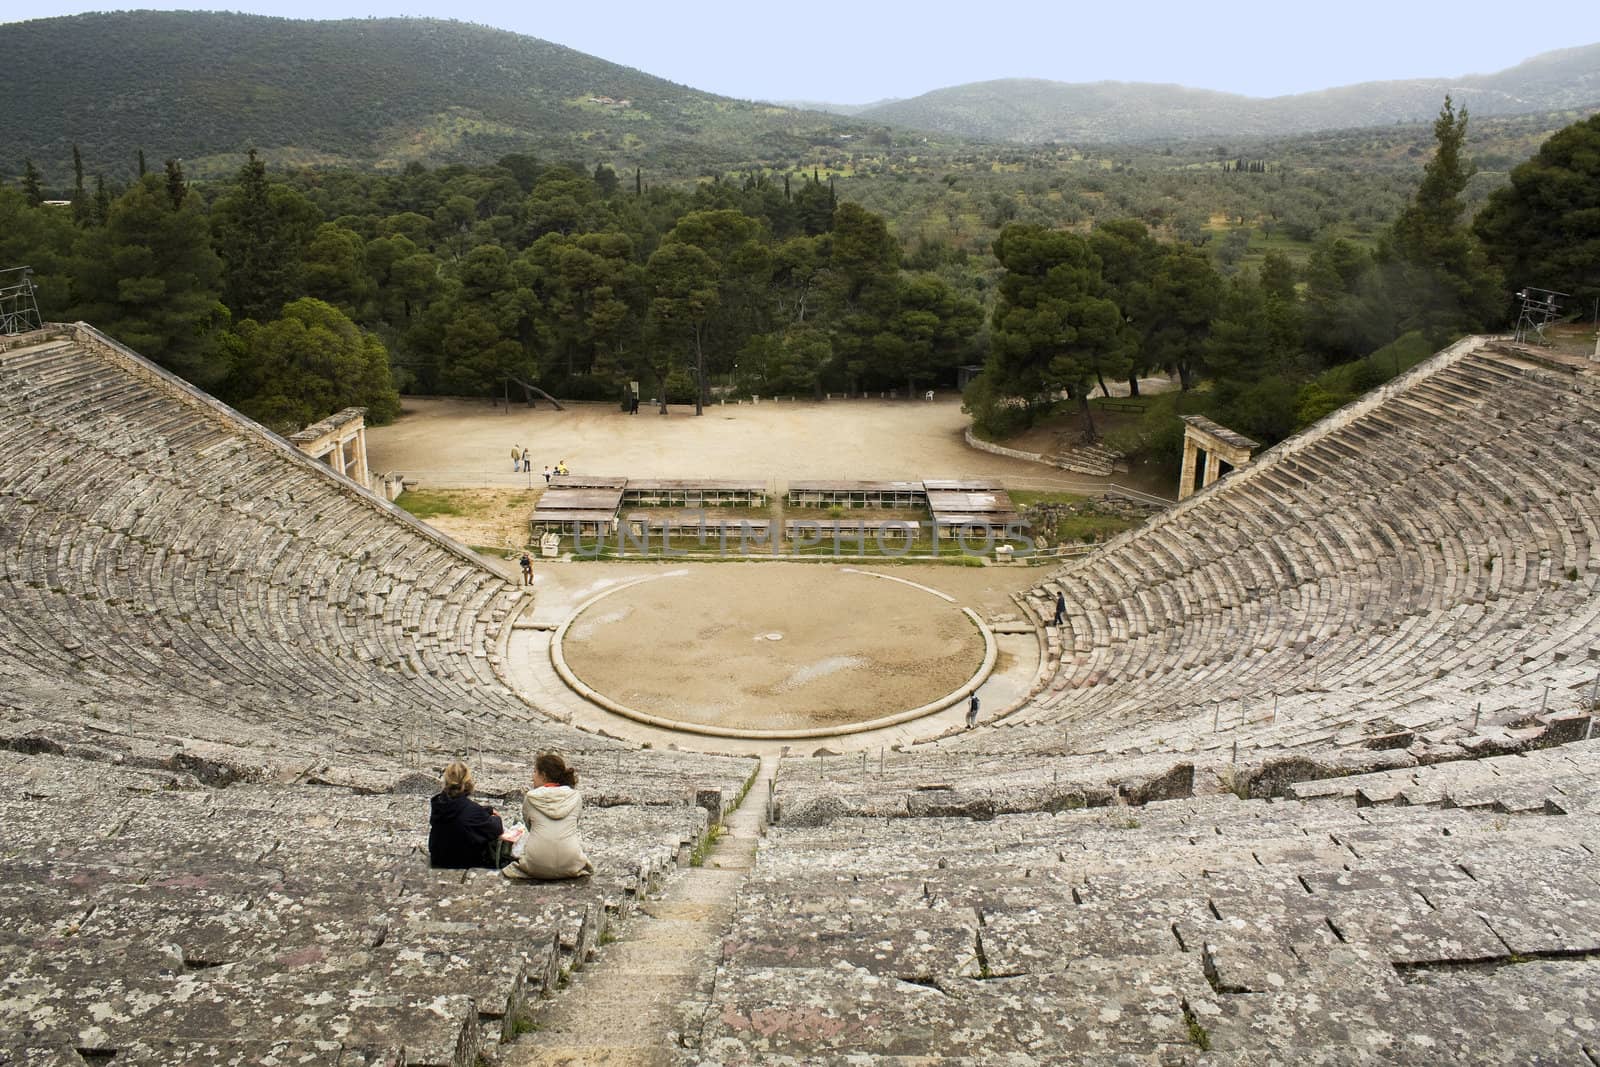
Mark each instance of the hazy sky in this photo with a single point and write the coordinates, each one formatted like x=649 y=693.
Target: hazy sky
x=855 y=52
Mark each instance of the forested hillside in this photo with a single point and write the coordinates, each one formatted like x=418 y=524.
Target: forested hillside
x=204 y=87
x=294 y=296
x=1038 y=111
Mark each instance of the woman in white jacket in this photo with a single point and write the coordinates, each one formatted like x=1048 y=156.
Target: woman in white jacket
x=550 y=812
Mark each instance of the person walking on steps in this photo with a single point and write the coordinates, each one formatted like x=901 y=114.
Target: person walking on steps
x=972 y=710
x=1061 y=609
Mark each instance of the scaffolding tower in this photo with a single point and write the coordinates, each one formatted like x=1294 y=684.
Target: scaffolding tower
x=1540 y=307
x=19 y=310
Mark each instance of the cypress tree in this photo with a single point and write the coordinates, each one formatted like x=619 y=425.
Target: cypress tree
x=82 y=210
x=30 y=183
x=102 y=200
x=177 y=188
x=141 y=163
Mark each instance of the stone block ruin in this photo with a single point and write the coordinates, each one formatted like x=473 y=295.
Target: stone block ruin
x=1306 y=777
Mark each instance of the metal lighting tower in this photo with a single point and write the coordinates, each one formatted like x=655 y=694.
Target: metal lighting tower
x=1540 y=307
x=19 y=311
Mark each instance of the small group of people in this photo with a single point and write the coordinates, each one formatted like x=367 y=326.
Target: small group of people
x=463 y=833
x=522 y=461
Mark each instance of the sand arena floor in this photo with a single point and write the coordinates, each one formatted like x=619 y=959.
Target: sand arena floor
x=687 y=649
x=767 y=647
x=453 y=444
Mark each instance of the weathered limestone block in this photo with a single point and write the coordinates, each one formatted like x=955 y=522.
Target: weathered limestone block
x=1170 y=785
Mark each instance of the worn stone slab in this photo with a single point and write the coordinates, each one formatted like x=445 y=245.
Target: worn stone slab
x=224 y=1053
x=911 y=947
x=1093 y=1007
x=1051 y=938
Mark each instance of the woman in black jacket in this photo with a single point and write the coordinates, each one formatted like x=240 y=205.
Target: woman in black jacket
x=461 y=832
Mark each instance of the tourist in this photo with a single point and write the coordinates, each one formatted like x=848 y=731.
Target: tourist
x=461 y=832
x=561 y=467
x=551 y=848
x=972 y=710
x=547 y=475
x=527 y=569
x=1061 y=609
x=516 y=458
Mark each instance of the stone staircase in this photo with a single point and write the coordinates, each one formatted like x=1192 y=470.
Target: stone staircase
x=646 y=997
x=1096 y=461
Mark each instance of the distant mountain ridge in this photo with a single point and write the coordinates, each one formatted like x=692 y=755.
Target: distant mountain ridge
x=1032 y=111
x=206 y=86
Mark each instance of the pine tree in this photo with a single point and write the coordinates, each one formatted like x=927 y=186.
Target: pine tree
x=261 y=229
x=149 y=278
x=1429 y=222
x=1543 y=228
x=31 y=186
x=1442 y=271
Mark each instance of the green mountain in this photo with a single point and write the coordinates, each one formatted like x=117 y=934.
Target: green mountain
x=1034 y=111
x=373 y=92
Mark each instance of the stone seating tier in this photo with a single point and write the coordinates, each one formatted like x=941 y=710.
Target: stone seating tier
x=1203 y=930
x=170 y=571
x=146 y=917
x=1428 y=558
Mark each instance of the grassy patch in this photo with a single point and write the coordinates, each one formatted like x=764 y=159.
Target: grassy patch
x=1023 y=498
x=428 y=505
x=697 y=858
x=1091 y=527
x=1082 y=519
x=1199 y=1036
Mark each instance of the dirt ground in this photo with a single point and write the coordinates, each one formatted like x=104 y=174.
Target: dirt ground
x=492 y=518
x=773 y=646
x=694 y=645
x=444 y=443
x=1574 y=338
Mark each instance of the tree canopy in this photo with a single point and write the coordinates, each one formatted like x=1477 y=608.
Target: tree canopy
x=1543 y=229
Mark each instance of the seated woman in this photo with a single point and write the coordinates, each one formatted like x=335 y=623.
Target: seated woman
x=461 y=832
x=551 y=848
